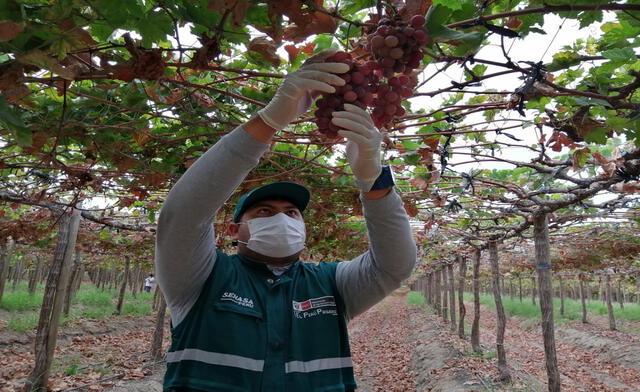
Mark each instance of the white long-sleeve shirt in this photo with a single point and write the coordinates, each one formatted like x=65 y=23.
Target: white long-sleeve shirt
x=185 y=244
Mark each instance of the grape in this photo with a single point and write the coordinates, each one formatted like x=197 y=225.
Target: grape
x=357 y=77
x=396 y=53
x=340 y=57
x=391 y=41
x=390 y=109
x=367 y=99
x=383 y=79
x=387 y=62
x=333 y=101
x=417 y=21
x=377 y=41
x=350 y=96
x=383 y=30
x=420 y=36
x=406 y=92
x=397 y=58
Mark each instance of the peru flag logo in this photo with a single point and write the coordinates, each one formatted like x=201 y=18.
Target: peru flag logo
x=302 y=306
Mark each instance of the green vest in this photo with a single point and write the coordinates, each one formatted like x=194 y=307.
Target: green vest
x=253 y=331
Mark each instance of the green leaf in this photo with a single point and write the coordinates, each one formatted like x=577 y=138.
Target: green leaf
x=598 y=136
x=618 y=123
x=586 y=101
x=10 y=10
x=620 y=54
x=323 y=41
x=43 y=60
x=410 y=145
x=118 y=12
x=349 y=7
x=257 y=15
x=201 y=16
x=562 y=60
x=589 y=17
x=12 y=121
x=155 y=27
x=437 y=17
x=451 y=4
x=411 y=159
x=101 y=31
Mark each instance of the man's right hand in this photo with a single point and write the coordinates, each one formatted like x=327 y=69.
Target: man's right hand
x=293 y=97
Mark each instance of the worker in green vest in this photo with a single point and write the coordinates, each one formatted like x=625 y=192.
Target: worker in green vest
x=262 y=319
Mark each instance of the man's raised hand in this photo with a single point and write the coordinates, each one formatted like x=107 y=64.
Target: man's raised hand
x=363 y=144
x=294 y=96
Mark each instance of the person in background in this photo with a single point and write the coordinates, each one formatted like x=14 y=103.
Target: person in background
x=262 y=319
x=148 y=283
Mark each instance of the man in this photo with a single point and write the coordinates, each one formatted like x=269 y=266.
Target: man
x=148 y=283
x=262 y=320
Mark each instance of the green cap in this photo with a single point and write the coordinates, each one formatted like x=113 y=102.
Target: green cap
x=295 y=193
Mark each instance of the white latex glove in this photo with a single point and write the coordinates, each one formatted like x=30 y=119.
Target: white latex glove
x=293 y=97
x=363 y=144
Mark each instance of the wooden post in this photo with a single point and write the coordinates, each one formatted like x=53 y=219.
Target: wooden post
x=475 y=326
x=561 y=281
x=505 y=375
x=35 y=276
x=452 y=297
x=137 y=280
x=51 y=309
x=620 y=293
x=543 y=264
x=520 y=287
x=75 y=270
x=428 y=288
x=158 y=333
x=533 y=290
x=437 y=299
x=5 y=255
x=462 y=263
x=444 y=291
x=612 y=319
x=17 y=274
x=582 y=299
x=123 y=285
x=424 y=287
x=511 y=291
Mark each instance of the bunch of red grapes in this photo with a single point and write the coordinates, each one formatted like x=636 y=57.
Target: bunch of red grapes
x=382 y=81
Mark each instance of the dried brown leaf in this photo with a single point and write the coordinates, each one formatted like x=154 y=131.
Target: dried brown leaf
x=9 y=30
x=266 y=48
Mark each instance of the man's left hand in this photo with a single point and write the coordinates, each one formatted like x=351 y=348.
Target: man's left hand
x=363 y=144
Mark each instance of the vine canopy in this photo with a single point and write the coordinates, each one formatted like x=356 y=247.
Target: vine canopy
x=118 y=97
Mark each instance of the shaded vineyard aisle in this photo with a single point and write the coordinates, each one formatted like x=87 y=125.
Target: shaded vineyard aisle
x=402 y=348
x=590 y=357
x=93 y=353
x=381 y=348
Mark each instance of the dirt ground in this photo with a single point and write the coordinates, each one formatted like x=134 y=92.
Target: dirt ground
x=395 y=347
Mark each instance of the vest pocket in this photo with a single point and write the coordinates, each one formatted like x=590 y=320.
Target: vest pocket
x=246 y=311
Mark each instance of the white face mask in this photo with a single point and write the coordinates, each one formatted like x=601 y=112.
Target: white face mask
x=276 y=236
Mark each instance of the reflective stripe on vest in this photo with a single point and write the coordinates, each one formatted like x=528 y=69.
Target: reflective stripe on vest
x=193 y=354
x=317 y=365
